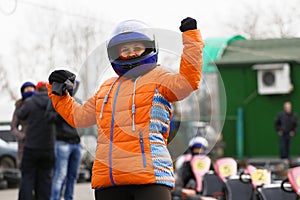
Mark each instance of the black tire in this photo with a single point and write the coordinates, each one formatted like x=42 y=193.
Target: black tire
x=7 y=162
x=3 y=184
x=13 y=177
x=284 y=187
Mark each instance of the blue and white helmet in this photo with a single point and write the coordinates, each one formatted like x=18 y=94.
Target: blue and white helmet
x=199 y=142
x=130 y=31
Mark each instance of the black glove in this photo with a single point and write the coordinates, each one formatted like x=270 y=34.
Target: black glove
x=188 y=24
x=60 y=76
x=61 y=80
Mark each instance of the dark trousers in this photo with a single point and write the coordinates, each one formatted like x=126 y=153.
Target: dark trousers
x=285 y=144
x=37 y=166
x=134 y=192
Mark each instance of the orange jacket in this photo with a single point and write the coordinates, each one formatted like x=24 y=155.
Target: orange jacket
x=133 y=118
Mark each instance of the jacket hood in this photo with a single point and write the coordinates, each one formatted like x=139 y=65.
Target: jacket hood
x=41 y=99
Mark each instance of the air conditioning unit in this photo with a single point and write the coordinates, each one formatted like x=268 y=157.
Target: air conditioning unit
x=273 y=78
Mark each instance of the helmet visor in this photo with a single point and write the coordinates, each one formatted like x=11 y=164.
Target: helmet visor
x=128 y=32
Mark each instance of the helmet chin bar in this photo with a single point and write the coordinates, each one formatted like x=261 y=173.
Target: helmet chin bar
x=129 y=67
x=132 y=31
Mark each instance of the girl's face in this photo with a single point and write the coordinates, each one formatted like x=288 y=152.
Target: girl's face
x=198 y=150
x=29 y=89
x=131 y=50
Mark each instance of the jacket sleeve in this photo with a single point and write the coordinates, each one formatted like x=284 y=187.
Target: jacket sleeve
x=23 y=112
x=277 y=123
x=295 y=127
x=15 y=122
x=51 y=114
x=178 y=86
x=77 y=115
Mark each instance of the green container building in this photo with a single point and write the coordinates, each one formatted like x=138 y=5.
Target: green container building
x=259 y=76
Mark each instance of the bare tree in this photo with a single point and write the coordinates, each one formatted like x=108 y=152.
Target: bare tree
x=248 y=25
x=78 y=41
x=5 y=82
x=284 y=25
x=2 y=76
x=262 y=21
x=53 y=42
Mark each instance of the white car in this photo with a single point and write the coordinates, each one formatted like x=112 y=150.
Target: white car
x=8 y=148
x=10 y=176
x=8 y=154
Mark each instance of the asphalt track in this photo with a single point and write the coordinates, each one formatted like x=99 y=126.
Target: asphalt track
x=82 y=191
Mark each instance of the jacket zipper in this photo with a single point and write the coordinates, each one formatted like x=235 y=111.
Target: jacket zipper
x=111 y=135
x=142 y=149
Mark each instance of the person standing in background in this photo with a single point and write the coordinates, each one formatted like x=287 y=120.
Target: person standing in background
x=286 y=124
x=38 y=154
x=186 y=181
x=27 y=90
x=67 y=155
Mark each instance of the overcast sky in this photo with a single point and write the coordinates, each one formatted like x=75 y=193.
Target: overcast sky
x=16 y=17
x=212 y=15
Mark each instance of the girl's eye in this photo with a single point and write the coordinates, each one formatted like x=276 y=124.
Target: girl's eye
x=124 y=50
x=137 y=49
